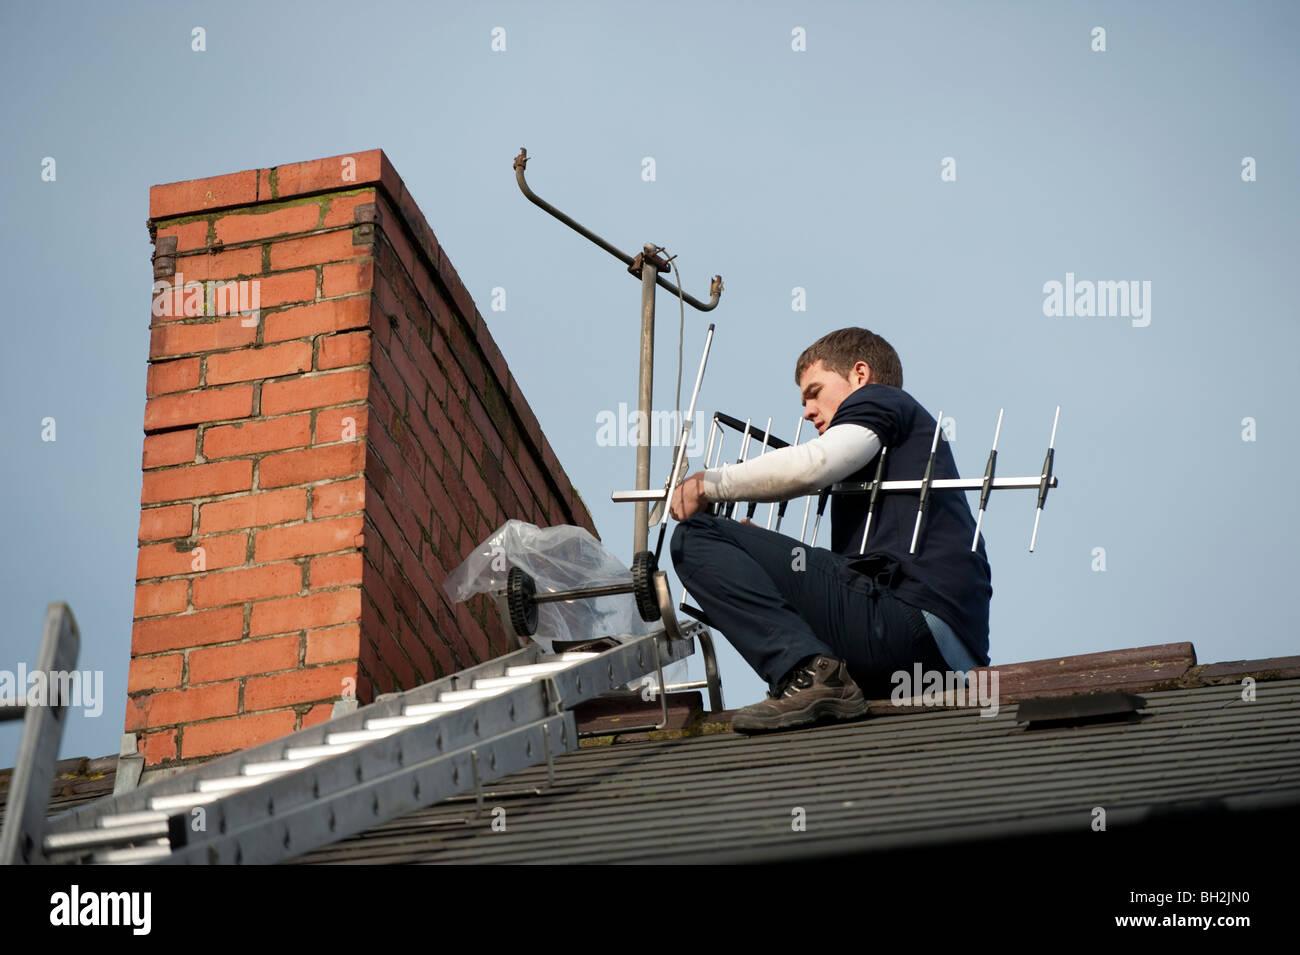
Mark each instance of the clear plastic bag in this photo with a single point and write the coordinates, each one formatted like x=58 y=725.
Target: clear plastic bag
x=557 y=558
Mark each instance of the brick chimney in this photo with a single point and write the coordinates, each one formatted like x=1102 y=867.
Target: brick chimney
x=329 y=429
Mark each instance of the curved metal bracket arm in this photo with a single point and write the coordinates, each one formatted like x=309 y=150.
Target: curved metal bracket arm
x=715 y=286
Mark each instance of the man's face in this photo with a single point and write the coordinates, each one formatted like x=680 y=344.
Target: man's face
x=822 y=391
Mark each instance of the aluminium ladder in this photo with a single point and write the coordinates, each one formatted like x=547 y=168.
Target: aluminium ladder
x=403 y=752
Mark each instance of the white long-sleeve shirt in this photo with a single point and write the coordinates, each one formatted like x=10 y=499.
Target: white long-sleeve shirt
x=787 y=473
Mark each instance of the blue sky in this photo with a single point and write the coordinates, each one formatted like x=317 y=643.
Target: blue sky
x=817 y=169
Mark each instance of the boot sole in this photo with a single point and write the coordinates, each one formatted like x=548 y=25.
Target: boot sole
x=810 y=715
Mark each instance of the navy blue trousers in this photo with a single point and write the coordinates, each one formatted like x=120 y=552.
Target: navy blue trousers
x=778 y=601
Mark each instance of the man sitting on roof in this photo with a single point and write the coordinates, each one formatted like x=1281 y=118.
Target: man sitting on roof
x=827 y=628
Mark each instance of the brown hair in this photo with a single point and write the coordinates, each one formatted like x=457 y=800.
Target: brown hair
x=840 y=350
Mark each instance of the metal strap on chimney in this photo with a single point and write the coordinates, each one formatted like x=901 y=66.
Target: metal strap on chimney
x=327 y=782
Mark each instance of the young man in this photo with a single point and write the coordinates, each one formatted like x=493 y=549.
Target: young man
x=827 y=628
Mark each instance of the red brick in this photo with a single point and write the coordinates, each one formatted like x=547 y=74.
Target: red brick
x=316 y=249
x=314 y=391
x=187 y=630
x=272 y=361
x=254 y=510
x=333 y=643
x=313 y=464
x=435 y=300
x=321 y=175
x=243 y=659
x=155 y=673
x=236 y=263
x=335 y=571
x=496 y=361
x=164 y=377
x=171 y=447
x=461 y=300
x=430 y=370
x=467 y=355
x=397 y=661
x=347 y=278
x=193 y=407
x=196 y=480
x=252 y=583
x=190 y=235
x=161 y=523
x=386 y=296
x=340 y=497
x=166 y=560
x=342 y=209
x=459 y=493
x=456 y=382
x=319 y=318
x=396 y=575
x=331 y=422
x=301 y=686
x=420 y=226
x=317 y=714
x=408 y=372
x=212 y=334
x=432 y=432
x=533 y=479
x=182 y=706
x=157 y=747
x=339 y=351
x=531 y=429
x=379 y=513
x=288 y=287
x=390 y=378
x=384 y=447
x=253 y=437
x=400 y=247
x=307 y=540
x=152 y=600
x=241 y=732
x=379 y=608
x=417 y=504
x=195 y=195
x=245 y=226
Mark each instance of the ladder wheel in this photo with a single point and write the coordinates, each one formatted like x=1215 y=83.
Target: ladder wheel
x=644 y=568
x=523 y=609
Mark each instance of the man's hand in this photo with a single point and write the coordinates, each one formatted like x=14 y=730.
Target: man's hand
x=688 y=497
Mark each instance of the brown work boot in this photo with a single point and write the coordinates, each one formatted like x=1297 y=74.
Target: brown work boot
x=819 y=690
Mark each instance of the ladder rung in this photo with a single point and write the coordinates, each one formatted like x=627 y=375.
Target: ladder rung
x=471 y=696
x=160 y=849
x=93 y=838
x=271 y=767
x=183 y=800
x=226 y=783
x=551 y=666
x=431 y=709
x=397 y=722
x=505 y=682
x=357 y=736
x=131 y=818
x=319 y=751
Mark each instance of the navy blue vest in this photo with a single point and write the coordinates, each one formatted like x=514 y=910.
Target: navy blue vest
x=944 y=576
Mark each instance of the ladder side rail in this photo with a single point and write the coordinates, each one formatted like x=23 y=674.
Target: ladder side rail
x=22 y=838
x=257 y=813
x=360 y=807
x=392 y=767
x=136 y=800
